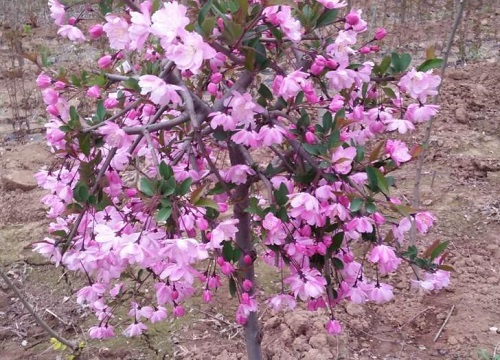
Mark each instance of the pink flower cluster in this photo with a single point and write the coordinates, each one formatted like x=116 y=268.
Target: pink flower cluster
x=147 y=188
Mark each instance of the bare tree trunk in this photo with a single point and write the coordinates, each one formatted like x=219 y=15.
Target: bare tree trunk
x=253 y=333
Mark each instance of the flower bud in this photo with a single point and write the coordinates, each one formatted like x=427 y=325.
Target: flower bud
x=380 y=33
x=43 y=81
x=247 y=285
x=105 y=61
x=247 y=259
x=365 y=50
x=310 y=138
x=72 y=20
x=110 y=103
x=96 y=31
x=374 y=48
x=212 y=88
x=352 y=18
x=94 y=92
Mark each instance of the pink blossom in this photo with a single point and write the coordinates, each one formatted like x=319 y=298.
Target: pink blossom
x=114 y=135
x=424 y=220
x=333 y=4
x=359 y=25
x=381 y=293
x=50 y=96
x=71 y=32
x=140 y=28
x=226 y=230
x=116 y=28
x=282 y=302
x=135 y=329
x=169 y=21
x=333 y=327
x=243 y=109
x=357 y=295
x=102 y=332
x=57 y=12
x=189 y=53
x=420 y=113
x=179 y=311
x=398 y=151
x=433 y=281
x=341 y=79
x=238 y=174
x=247 y=138
x=402 y=126
x=307 y=283
x=290 y=85
x=43 y=81
x=207 y=296
x=385 y=257
x=342 y=159
x=419 y=85
x=161 y=92
x=158 y=315
x=271 y=135
x=220 y=119
x=282 y=16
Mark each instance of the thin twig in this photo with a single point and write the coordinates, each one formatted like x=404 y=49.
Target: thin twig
x=71 y=344
x=416 y=316
x=444 y=324
x=420 y=165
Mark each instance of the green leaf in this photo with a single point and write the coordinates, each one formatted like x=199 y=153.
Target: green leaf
x=232 y=286
x=411 y=253
x=327 y=121
x=356 y=204
x=327 y=17
x=164 y=214
x=438 y=250
x=81 y=192
x=166 y=171
x=207 y=203
x=101 y=111
x=311 y=149
x=232 y=31
x=105 y=6
x=184 y=187
x=389 y=92
x=430 y=64
x=73 y=114
x=227 y=250
x=265 y=92
x=405 y=61
x=384 y=65
x=146 y=186
x=377 y=180
x=167 y=187
x=396 y=62
x=84 y=143
x=281 y=195
x=337 y=241
x=132 y=84
x=370 y=207
x=337 y=263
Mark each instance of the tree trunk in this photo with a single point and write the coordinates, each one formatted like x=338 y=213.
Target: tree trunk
x=253 y=334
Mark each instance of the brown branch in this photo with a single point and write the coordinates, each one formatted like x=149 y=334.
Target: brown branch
x=71 y=344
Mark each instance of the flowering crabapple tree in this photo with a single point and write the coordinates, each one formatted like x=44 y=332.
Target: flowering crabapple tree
x=227 y=132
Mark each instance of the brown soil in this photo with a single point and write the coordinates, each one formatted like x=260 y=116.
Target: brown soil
x=461 y=185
